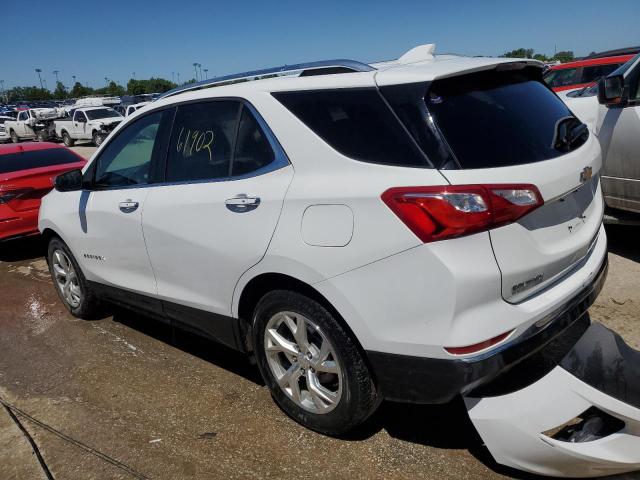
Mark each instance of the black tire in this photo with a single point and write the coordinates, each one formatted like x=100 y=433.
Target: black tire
x=67 y=140
x=14 y=137
x=97 y=139
x=90 y=306
x=359 y=397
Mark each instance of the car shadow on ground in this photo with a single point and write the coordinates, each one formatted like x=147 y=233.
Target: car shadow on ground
x=624 y=240
x=19 y=249
x=439 y=426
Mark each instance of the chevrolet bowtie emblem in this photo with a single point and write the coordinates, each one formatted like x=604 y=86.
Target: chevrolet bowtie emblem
x=586 y=174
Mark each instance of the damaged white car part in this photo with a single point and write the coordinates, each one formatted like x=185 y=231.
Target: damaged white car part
x=582 y=419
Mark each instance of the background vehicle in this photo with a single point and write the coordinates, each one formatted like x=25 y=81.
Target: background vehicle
x=403 y=230
x=4 y=135
x=92 y=123
x=97 y=101
x=582 y=73
x=26 y=175
x=132 y=108
x=33 y=124
x=616 y=122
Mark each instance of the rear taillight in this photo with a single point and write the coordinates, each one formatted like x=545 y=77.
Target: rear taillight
x=447 y=211
x=7 y=196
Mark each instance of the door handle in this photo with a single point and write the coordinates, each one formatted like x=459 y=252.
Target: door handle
x=242 y=203
x=128 y=206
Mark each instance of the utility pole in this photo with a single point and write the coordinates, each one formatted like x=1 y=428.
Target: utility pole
x=38 y=70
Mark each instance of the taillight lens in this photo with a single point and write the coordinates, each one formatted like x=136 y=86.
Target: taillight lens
x=437 y=213
x=7 y=196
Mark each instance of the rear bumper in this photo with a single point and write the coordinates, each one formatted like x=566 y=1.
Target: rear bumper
x=433 y=380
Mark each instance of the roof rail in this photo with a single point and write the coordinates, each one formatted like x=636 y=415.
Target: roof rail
x=321 y=67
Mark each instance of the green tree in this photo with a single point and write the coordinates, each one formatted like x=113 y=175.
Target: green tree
x=520 y=53
x=60 y=93
x=152 y=85
x=564 y=56
x=80 y=90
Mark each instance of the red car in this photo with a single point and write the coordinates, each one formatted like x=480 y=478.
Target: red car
x=26 y=175
x=582 y=73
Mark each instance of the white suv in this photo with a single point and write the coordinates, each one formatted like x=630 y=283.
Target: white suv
x=406 y=230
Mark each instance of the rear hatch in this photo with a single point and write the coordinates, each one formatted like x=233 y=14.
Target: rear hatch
x=505 y=126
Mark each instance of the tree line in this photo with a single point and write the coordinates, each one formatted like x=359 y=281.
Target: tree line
x=134 y=87
x=562 y=57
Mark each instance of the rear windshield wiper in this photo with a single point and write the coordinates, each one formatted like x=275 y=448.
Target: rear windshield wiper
x=570 y=133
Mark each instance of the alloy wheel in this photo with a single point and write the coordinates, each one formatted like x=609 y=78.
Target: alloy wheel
x=66 y=279
x=303 y=362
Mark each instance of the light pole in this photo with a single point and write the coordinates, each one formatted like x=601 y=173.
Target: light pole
x=1 y=88
x=56 y=72
x=173 y=77
x=134 y=75
x=178 y=74
x=195 y=69
x=106 y=81
x=206 y=74
x=38 y=70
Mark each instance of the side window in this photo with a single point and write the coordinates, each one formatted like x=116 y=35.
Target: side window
x=22 y=116
x=126 y=160
x=80 y=117
x=202 y=141
x=591 y=74
x=253 y=150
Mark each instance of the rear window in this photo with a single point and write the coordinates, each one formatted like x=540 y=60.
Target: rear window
x=14 y=162
x=357 y=123
x=563 y=77
x=497 y=119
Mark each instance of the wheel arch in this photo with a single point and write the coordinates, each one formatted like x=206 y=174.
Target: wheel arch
x=267 y=282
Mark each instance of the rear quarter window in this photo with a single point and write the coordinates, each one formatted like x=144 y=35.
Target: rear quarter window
x=357 y=123
x=14 y=162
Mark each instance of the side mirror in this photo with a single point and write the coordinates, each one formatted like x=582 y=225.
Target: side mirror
x=611 y=91
x=70 y=181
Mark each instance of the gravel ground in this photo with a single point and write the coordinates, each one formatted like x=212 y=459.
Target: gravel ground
x=122 y=398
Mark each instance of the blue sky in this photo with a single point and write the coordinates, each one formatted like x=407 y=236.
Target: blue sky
x=115 y=38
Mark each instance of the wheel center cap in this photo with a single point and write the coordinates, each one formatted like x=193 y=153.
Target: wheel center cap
x=304 y=361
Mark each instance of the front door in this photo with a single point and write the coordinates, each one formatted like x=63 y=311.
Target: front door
x=213 y=219
x=619 y=134
x=113 y=249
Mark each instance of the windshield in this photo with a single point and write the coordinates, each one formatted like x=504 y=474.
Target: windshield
x=102 y=113
x=497 y=119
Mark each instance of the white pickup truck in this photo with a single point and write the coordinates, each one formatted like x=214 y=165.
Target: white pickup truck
x=92 y=123
x=33 y=124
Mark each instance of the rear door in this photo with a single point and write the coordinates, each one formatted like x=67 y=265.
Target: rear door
x=226 y=178
x=509 y=128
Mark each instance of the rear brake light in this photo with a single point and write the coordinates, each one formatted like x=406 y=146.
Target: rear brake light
x=7 y=196
x=448 y=211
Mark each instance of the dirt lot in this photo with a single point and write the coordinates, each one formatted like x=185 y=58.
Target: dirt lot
x=122 y=398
